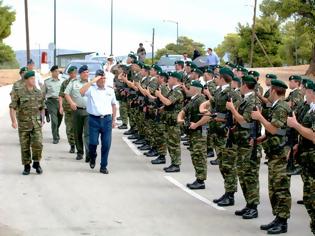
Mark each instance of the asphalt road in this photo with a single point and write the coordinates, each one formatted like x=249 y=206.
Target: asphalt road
x=136 y=198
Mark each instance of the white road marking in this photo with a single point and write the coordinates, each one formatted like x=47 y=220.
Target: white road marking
x=132 y=147
x=192 y=193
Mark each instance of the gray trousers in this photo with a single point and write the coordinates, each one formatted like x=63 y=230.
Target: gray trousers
x=55 y=117
x=81 y=131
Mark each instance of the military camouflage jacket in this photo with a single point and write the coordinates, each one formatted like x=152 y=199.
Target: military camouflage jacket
x=192 y=108
x=211 y=87
x=296 y=98
x=65 y=104
x=170 y=113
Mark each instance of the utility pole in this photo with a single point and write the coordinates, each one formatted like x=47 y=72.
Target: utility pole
x=253 y=36
x=28 y=54
x=177 y=23
x=111 y=29
x=55 y=36
x=152 y=45
x=295 y=41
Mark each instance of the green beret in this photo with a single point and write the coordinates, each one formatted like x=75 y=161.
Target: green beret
x=29 y=74
x=230 y=65
x=198 y=71
x=248 y=79
x=208 y=70
x=226 y=71
x=271 y=76
x=218 y=67
x=196 y=83
x=310 y=85
x=295 y=77
x=132 y=56
x=278 y=83
x=254 y=73
x=191 y=64
x=179 y=62
x=72 y=68
x=241 y=68
x=139 y=63
x=236 y=79
x=164 y=74
x=176 y=75
x=156 y=67
x=146 y=67
x=23 y=69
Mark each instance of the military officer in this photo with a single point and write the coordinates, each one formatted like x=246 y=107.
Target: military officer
x=51 y=90
x=78 y=105
x=27 y=111
x=273 y=144
x=197 y=133
x=64 y=107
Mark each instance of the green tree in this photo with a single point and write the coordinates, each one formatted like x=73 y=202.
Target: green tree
x=230 y=46
x=185 y=45
x=7 y=17
x=303 y=10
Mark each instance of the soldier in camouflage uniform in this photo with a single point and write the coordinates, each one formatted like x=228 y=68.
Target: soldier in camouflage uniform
x=197 y=133
x=27 y=101
x=66 y=109
x=273 y=143
x=236 y=84
x=296 y=97
x=306 y=150
x=259 y=89
x=173 y=103
x=247 y=167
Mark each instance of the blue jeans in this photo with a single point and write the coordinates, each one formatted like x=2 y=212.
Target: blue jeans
x=100 y=126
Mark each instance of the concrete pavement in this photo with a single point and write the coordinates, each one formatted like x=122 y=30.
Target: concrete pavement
x=136 y=198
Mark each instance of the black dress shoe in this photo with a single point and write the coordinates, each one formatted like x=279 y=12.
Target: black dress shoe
x=129 y=132
x=184 y=139
x=210 y=153
x=92 y=163
x=55 y=141
x=214 y=162
x=158 y=161
x=87 y=159
x=241 y=212
x=140 y=142
x=251 y=213
x=152 y=153
x=186 y=143
x=104 y=171
x=198 y=184
x=266 y=162
x=172 y=169
x=79 y=157
x=37 y=167
x=118 y=118
x=280 y=227
x=228 y=200
x=134 y=136
x=27 y=169
x=270 y=225
x=123 y=126
x=72 y=149
x=300 y=202
x=219 y=199
x=145 y=147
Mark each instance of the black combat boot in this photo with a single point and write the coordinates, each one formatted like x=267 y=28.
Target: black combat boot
x=280 y=227
x=198 y=184
x=92 y=163
x=79 y=157
x=133 y=136
x=172 y=169
x=140 y=142
x=210 y=153
x=251 y=213
x=123 y=126
x=158 y=161
x=144 y=147
x=129 y=132
x=300 y=202
x=152 y=153
x=243 y=211
x=184 y=139
x=186 y=143
x=228 y=200
x=72 y=149
x=214 y=162
x=219 y=199
x=27 y=169
x=270 y=225
x=37 y=167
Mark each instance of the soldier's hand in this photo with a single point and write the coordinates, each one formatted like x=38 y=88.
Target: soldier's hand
x=73 y=106
x=113 y=124
x=61 y=111
x=97 y=78
x=193 y=125
x=256 y=115
x=180 y=121
x=14 y=125
x=157 y=93
x=291 y=121
x=229 y=105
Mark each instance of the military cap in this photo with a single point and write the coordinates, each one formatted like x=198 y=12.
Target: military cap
x=295 y=77
x=230 y=64
x=29 y=74
x=271 y=76
x=23 y=69
x=164 y=74
x=208 y=70
x=99 y=72
x=248 y=79
x=236 y=79
x=254 y=73
x=196 y=83
x=30 y=62
x=132 y=56
x=241 y=68
x=191 y=64
x=278 y=83
x=198 y=71
x=179 y=62
x=139 y=63
x=310 y=85
x=176 y=75
x=218 y=66
x=156 y=67
x=226 y=71
x=146 y=67
x=72 y=68
x=83 y=68
x=53 y=68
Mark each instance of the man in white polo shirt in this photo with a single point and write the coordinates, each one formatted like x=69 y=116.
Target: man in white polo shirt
x=101 y=106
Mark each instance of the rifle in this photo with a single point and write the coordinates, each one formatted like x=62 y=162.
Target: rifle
x=254 y=134
x=229 y=124
x=291 y=168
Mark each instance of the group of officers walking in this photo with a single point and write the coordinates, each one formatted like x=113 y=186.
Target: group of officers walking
x=222 y=109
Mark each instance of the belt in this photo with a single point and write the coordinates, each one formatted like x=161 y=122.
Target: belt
x=52 y=98
x=101 y=117
x=81 y=108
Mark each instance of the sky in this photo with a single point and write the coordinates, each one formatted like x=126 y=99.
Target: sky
x=84 y=25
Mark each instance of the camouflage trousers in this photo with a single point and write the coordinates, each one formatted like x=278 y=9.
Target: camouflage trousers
x=227 y=165
x=69 y=127
x=248 y=174
x=198 y=153
x=173 y=134
x=309 y=197
x=123 y=111
x=150 y=134
x=31 y=145
x=141 y=122
x=279 y=185
x=161 y=139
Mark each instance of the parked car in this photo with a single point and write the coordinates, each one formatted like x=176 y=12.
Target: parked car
x=201 y=61
x=167 y=62
x=93 y=66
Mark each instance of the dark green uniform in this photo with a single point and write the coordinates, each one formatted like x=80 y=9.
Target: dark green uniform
x=122 y=99
x=295 y=98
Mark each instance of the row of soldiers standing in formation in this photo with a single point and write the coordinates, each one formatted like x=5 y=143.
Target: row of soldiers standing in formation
x=225 y=112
